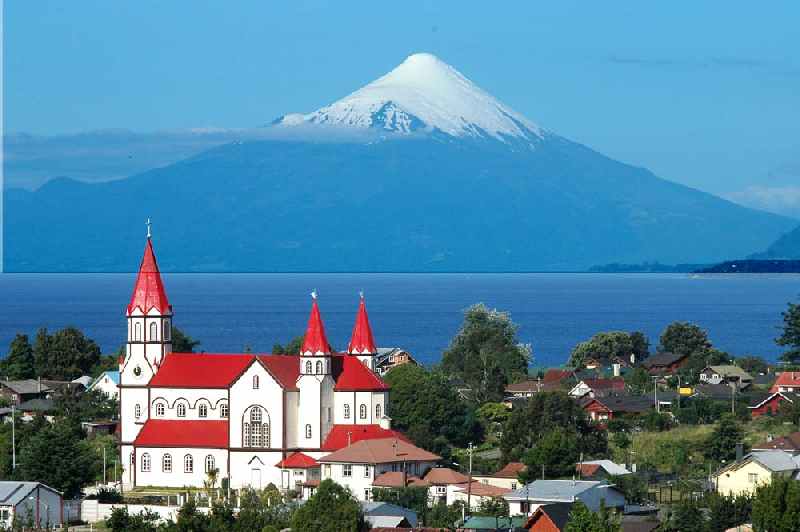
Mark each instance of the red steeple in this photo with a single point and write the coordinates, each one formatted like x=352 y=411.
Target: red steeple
x=315 y=340
x=362 y=342
x=148 y=292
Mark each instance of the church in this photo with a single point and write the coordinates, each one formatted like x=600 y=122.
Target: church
x=254 y=418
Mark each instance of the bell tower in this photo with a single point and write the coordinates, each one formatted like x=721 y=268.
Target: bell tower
x=362 y=344
x=315 y=416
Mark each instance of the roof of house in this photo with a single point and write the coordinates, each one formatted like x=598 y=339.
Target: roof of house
x=372 y=509
x=775 y=461
x=790 y=443
x=713 y=391
x=613 y=383
x=12 y=492
x=787 y=378
x=183 y=433
x=37 y=405
x=297 y=460
x=524 y=386
x=482 y=522
x=556 y=375
x=361 y=341
x=479 y=489
x=510 y=470
x=381 y=451
x=112 y=375
x=86 y=381
x=554 y=490
x=148 y=291
x=25 y=386
x=760 y=400
x=394 y=479
x=341 y=436
x=623 y=403
x=557 y=512
x=445 y=475
x=662 y=360
x=590 y=467
x=730 y=370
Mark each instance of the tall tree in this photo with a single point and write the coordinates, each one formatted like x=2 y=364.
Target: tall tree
x=182 y=342
x=682 y=338
x=581 y=519
x=555 y=454
x=641 y=345
x=65 y=355
x=791 y=334
x=604 y=346
x=721 y=444
x=331 y=509
x=291 y=348
x=776 y=506
x=19 y=363
x=685 y=517
x=485 y=353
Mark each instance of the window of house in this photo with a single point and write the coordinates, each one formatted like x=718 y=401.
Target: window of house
x=166 y=331
x=137 y=332
x=347 y=411
x=309 y=367
x=513 y=485
x=181 y=410
x=202 y=411
x=209 y=463
x=752 y=478
x=146 y=462
x=367 y=494
x=308 y=432
x=137 y=411
x=166 y=463
x=362 y=411
x=153 y=331
x=255 y=382
x=160 y=409
x=188 y=464
x=347 y=470
x=4 y=514
x=330 y=415
x=441 y=490
x=246 y=435
x=319 y=367
x=366 y=470
x=223 y=410
x=377 y=411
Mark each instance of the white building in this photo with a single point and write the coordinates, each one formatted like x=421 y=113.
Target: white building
x=245 y=415
x=32 y=503
x=107 y=383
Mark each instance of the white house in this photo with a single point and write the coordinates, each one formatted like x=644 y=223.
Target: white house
x=108 y=383
x=32 y=503
x=244 y=414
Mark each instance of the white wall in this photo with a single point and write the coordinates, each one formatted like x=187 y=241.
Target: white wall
x=191 y=399
x=249 y=466
x=292 y=403
x=129 y=398
x=106 y=385
x=268 y=396
x=178 y=477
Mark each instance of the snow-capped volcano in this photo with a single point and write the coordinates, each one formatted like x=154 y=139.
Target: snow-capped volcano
x=423 y=93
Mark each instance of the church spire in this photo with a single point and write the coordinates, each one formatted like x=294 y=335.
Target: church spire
x=148 y=292
x=361 y=342
x=315 y=341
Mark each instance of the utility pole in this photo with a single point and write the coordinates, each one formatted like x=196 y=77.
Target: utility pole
x=733 y=400
x=13 y=439
x=655 y=394
x=104 y=465
x=469 y=486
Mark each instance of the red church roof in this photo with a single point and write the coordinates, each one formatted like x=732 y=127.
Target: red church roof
x=315 y=340
x=148 y=292
x=361 y=341
x=341 y=436
x=173 y=433
x=297 y=461
x=355 y=376
x=200 y=370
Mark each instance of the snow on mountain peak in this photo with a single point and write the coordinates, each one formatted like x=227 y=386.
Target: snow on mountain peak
x=423 y=93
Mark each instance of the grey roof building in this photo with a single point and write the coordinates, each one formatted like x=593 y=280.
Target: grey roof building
x=384 y=514
x=30 y=502
x=590 y=492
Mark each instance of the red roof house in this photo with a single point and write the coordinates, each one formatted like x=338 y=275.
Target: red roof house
x=787 y=381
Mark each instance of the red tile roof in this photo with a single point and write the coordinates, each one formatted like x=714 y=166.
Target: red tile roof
x=297 y=461
x=556 y=375
x=200 y=370
x=361 y=340
x=511 y=470
x=445 y=475
x=148 y=292
x=174 y=433
x=381 y=451
x=285 y=369
x=479 y=489
x=394 y=479
x=786 y=378
x=341 y=436
x=355 y=376
x=315 y=340
x=614 y=383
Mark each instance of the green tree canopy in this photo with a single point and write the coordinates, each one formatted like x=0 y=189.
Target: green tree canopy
x=791 y=334
x=19 y=363
x=752 y=364
x=291 y=348
x=65 y=355
x=182 y=342
x=581 y=519
x=685 y=517
x=332 y=508
x=683 y=338
x=721 y=444
x=485 y=353
x=776 y=506
x=606 y=346
x=638 y=381
x=555 y=454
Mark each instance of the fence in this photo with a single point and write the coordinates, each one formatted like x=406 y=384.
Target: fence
x=92 y=511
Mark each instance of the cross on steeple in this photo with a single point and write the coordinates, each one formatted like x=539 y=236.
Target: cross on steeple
x=148 y=223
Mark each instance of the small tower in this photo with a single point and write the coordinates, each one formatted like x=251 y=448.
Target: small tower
x=315 y=383
x=361 y=343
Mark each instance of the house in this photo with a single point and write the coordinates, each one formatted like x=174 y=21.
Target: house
x=728 y=374
x=390 y=357
x=559 y=378
x=598 y=387
x=19 y=391
x=443 y=484
x=386 y=515
x=591 y=492
x=107 y=383
x=528 y=388
x=717 y=392
x=602 y=409
x=549 y=517
x=357 y=465
x=664 y=363
x=787 y=381
x=99 y=427
x=85 y=381
x=36 y=407
x=30 y=502
x=771 y=403
x=506 y=477
x=789 y=443
x=599 y=469
x=296 y=470
x=477 y=493
x=755 y=469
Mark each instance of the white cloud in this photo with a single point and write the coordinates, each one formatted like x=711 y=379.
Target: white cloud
x=778 y=199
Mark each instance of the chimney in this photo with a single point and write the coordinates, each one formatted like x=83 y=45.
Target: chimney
x=617 y=368
x=39 y=381
x=385 y=422
x=739 y=451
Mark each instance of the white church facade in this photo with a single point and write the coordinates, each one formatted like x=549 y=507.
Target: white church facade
x=255 y=418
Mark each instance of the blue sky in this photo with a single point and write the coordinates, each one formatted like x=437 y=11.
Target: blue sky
x=703 y=93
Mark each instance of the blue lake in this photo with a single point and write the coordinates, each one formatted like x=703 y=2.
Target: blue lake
x=419 y=312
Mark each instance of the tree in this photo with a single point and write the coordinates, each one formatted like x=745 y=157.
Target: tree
x=581 y=519
x=641 y=345
x=682 y=338
x=122 y=521
x=190 y=519
x=752 y=364
x=496 y=507
x=726 y=512
x=292 y=348
x=776 y=506
x=493 y=416
x=182 y=342
x=412 y=497
x=65 y=355
x=485 y=353
x=441 y=515
x=721 y=444
x=791 y=334
x=685 y=517
x=633 y=486
x=604 y=346
x=555 y=454
x=19 y=363
x=332 y=508
x=637 y=381
x=257 y=511
x=85 y=406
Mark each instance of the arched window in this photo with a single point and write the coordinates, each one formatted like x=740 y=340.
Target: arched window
x=378 y=411
x=255 y=427
x=308 y=432
x=166 y=463
x=246 y=435
x=167 y=330
x=265 y=434
x=309 y=368
x=319 y=367
x=346 y=411
x=146 y=462
x=362 y=411
x=159 y=409
x=137 y=331
x=181 y=410
x=202 y=410
x=133 y=459
x=255 y=415
x=209 y=463
x=188 y=464
x=137 y=411
x=255 y=382
x=153 y=332
x=223 y=410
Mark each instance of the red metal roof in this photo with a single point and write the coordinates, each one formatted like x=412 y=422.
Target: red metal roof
x=361 y=341
x=315 y=340
x=355 y=376
x=285 y=369
x=174 y=433
x=200 y=370
x=341 y=436
x=556 y=375
x=297 y=460
x=148 y=292
x=786 y=378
